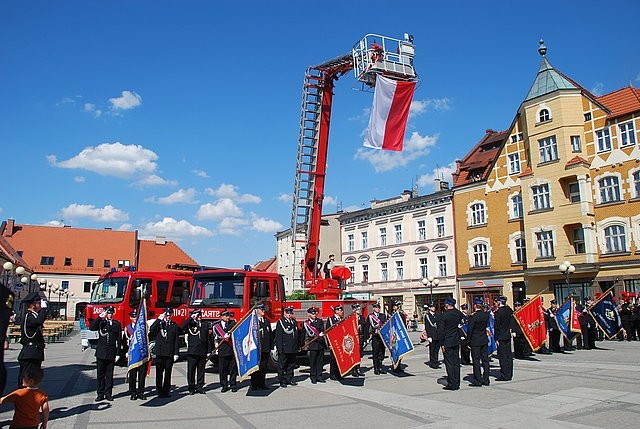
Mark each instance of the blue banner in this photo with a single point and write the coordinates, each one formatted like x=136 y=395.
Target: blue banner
x=139 y=343
x=492 y=345
x=563 y=317
x=396 y=338
x=605 y=313
x=245 y=345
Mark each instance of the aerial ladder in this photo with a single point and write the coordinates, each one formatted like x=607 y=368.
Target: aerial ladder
x=373 y=55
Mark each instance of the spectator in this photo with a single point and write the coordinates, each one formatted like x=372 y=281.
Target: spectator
x=31 y=403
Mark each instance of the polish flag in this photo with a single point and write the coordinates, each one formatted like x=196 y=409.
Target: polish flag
x=389 y=115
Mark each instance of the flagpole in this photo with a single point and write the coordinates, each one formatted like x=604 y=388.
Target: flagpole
x=324 y=332
x=247 y=314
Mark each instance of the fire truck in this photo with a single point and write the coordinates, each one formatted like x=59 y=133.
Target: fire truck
x=124 y=288
x=240 y=290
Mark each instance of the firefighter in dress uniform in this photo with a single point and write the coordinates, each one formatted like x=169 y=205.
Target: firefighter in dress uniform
x=450 y=342
x=478 y=341
x=32 y=353
x=6 y=309
x=109 y=337
x=265 y=340
x=166 y=334
x=338 y=316
x=502 y=332
x=431 y=334
x=357 y=309
x=226 y=358
x=287 y=340
x=396 y=308
x=137 y=376
x=374 y=323
x=198 y=348
x=313 y=329
x=553 y=327
x=465 y=350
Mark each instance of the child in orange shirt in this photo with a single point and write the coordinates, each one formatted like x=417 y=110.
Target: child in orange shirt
x=31 y=403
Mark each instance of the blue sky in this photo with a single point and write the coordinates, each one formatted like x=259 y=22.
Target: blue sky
x=180 y=118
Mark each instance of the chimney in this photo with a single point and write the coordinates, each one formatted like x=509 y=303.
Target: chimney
x=436 y=184
x=10 y=226
x=161 y=240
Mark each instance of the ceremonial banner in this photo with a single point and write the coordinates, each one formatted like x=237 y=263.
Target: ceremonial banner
x=389 y=115
x=492 y=346
x=564 y=319
x=345 y=343
x=244 y=338
x=396 y=338
x=531 y=319
x=606 y=315
x=139 y=343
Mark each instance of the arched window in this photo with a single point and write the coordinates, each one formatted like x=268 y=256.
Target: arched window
x=480 y=255
x=478 y=214
x=615 y=239
x=544 y=115
x=609 y=189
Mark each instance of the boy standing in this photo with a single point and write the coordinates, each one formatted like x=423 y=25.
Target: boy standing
x=31 y=403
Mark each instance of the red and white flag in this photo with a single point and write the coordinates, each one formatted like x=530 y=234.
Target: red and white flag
x=345 y=343
x=389 y=115
x=531 y=319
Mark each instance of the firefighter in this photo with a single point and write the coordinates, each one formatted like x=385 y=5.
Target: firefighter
x=109 y=336
x=477 y=334
x=396 y=307
x=431 y=334
x=374 y=323
x=198 y=347
x=450 y=342
x=166 y=334
x=265 y=339
x=338 y=316
x=226 y=358
x=287 y=343
x=138 y=374
x=32 y=353
x=502 y=330
x=313 y=330
x=465 y=350
x=357 y=309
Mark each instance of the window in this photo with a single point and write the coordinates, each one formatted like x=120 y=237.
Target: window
x=541 y=199
x=180 y=292
x=478 y=214
x=106 y=263
x=123 y=263
x=514 y=138
x=384 y=271
x=574 y=192
x=424 y=270
x=67 y=262
x=365 y=274
x=520 y=137
x=604 y=140
x=399 y=270
x=627 y=134
x=615 y=239
x=577 y=236
x=544 y=115
x=516 y=203
x=514 y=163
x=544 y=242
x=576 y=145
x=86 y=287
x=636 y=183
x=47 y=260
x=89 y=263
x=587 y=116
x=352 y=279
x=548 y=149
x=609 y=189
x=440 y=231
x=521 y=250
x=365 y=240
x=64 y=284
x=480 y=255
x=398 y=229
x=442 y=265
x=383 y=236
x=422 y=230
x=351 y=244
x=163 y=291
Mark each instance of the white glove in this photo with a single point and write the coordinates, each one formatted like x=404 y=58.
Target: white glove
x=513 y=334
x=161 y=317
x=175 y=358
x=321 y=334
x=226 y=336
x=117 y=358
x=44 y=303
x=103 y=314
x=430 y=339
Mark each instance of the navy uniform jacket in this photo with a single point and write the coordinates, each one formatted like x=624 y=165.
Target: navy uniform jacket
x=478 y=329
x=109 y=335
x=6 y=307
x=287 y=336
x=431 y=325
x=225 y=348
x=31 y=335
x=309 y=333
x=502 y=326
x=166 y=336
x=265 y=335
x=372 y=325
x=198 y=337
x=362 y=322
x=450 y=332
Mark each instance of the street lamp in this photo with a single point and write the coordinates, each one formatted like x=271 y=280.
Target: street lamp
x=567 y=269
x=34 y=281
x=7 y=266
x=431 y=282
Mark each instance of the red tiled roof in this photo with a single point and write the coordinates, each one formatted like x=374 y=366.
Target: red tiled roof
x=476 y=165
x=622 y=102
x=576 y=160
x=269 y=266
x=8 y=253
x=155 y=255
x=526 y=172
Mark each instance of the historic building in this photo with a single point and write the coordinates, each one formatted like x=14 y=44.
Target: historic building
x=561 y=184
x=397 y=243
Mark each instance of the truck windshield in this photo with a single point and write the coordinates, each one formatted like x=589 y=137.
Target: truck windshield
x=109 y=290
x=218 y=293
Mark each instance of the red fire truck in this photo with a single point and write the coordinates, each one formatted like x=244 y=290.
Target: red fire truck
x=215 y=290
x=123 y=289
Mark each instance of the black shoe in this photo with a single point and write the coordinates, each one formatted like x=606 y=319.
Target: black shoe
x=321 y=380
x=314 y=382
x=142 y=396
x=192 y=392
x=225 y=389
x=475 y=384
x=109 y=398
x=133 y=397
x=333 y=377
x=485 y=383
x=293 y=383
x=450 y=388
x=201 y=391
x=99 y=398
x=503 y=379
x=382 y=371
x=283 y=385
x=360 y=373
x=376 y=371
x=234 y=389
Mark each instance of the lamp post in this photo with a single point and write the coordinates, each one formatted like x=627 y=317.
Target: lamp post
x=567 y=269
x=34 y=282
x=431 y=282
x=7 y=267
